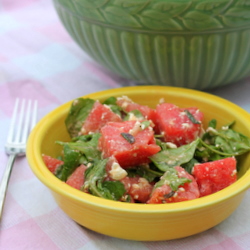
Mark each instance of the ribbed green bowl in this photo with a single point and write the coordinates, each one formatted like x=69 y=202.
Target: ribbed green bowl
x=197 y=44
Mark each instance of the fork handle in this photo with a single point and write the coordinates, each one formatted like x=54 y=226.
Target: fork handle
x=5 y=181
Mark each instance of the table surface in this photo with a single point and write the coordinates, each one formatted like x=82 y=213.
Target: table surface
x=39 y=60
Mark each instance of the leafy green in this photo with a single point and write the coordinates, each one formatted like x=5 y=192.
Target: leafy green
x=221 y=143
x=71 y=162
x=188 y=166
x=145 y=124
x=95 y=184
x=145 y=172
x=232 y=142
x=111 y=102
x=171 y=157
x=136 y=113
x=86 y=145
x=116 y=188
x=78 y=113
x=171 y=178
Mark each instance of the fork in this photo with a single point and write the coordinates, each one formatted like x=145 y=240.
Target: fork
x=22 y=122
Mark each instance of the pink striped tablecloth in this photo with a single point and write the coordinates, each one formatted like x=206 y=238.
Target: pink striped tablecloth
x=38 y=60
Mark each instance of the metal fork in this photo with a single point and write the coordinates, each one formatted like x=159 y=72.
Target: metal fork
x=22 y=121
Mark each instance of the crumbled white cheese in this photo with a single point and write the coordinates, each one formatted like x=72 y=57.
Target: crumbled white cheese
x=136 y=196
x=210 y=129
x=185 y=125
x=89 y=165
x=126 y=101
x=83 y=131
x=75 y=102
x=106 y=106
x=162 y=100
x=135 y=186
x=117 y=172
x=183 y=114
x=124 y=97
x=170 y=145
x=136 y=129
x=132 y=117
x=234 y=172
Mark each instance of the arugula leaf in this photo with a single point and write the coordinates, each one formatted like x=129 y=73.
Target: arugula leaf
x=145 y=172
x=111 y=102
x=116 y=188
x=172 y=157
x=206 y=152
x=71 y=162
x=137 y=113
x=145 y=124
x=86 y=145
x=95 y=184
x=212 y=123
x=188 y=166
x=232 y=142
x=224 y=142
x=93 y=174
x=171 y=178
x=78 y=113
x=160 y=143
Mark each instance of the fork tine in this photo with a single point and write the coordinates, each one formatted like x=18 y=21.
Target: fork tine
x=34 y=115
x=23 y=120
x=26 y=123
x=13 y=121
x=30 y=120
x=20 y=121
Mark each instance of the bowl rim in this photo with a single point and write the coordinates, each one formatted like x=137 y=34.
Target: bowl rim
x=35 y=161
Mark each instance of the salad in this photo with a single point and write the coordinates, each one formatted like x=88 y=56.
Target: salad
x=123 y=151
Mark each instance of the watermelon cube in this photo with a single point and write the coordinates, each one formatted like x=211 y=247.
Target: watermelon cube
x=128 y=105
x=138 y=188
x=128 y=143
x=215 y=175
x=177 y=125
x=76 y=179
x=185 y=192
x=99 y=115
x=52 y=163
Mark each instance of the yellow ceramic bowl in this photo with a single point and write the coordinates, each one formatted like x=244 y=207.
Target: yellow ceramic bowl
x=142 y=221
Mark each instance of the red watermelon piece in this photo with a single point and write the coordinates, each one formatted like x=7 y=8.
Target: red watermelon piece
x=128 y=105
x=98 y=117
x=114 y=172
x=128 y=154
x=76 y=179
x=52 y=163
x=175 y=125
x=188 y=191
x=215 y=175
x=138 y=188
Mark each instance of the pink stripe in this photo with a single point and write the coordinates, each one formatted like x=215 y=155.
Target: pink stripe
x=13 y=4
x=18 y=237
x=25 y=89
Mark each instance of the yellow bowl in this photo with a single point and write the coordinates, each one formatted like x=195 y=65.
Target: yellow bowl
x=142 y=222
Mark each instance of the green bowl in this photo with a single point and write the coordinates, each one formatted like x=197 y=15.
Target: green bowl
x=199 y=44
